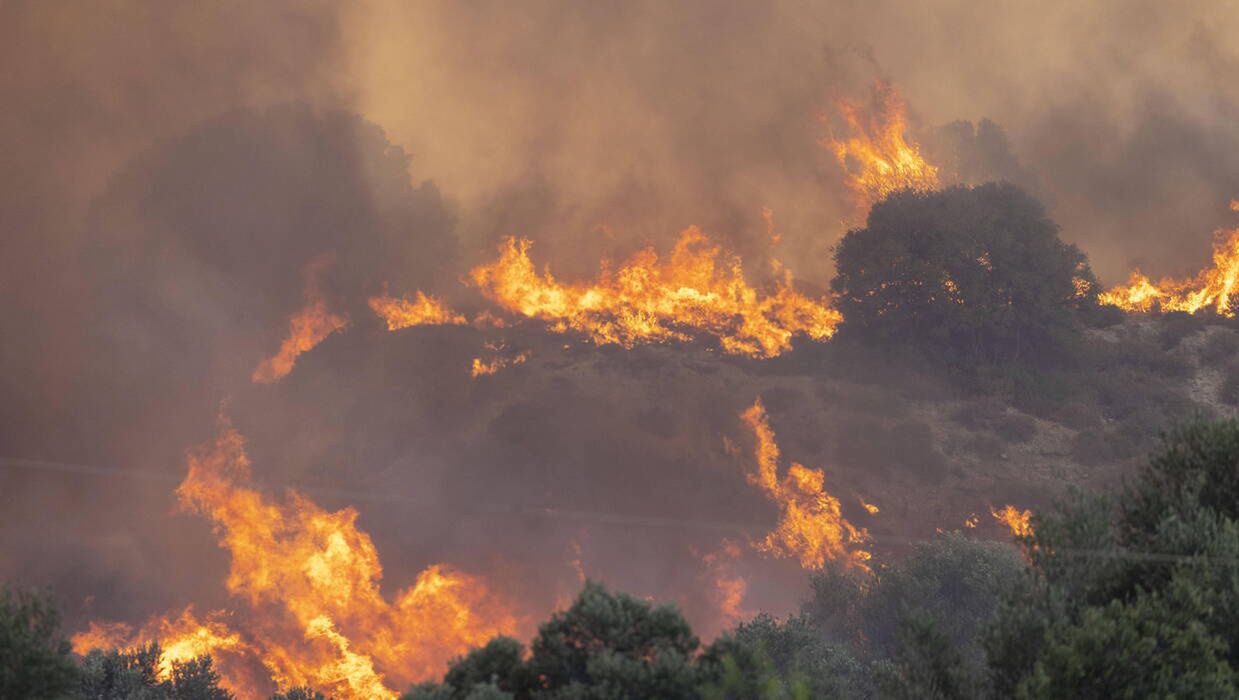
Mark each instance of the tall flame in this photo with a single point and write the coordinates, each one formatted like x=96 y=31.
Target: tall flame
x=877 y=156
x=1212 y=288
x=1018 y=521
x=729 y=587
x=698 y=290
x=423 y=310
x=811 y=523
x=310 y=579
x=306 y=328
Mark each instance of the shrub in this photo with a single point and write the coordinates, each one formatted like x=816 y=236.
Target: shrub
x=1228 y=391
x=1221 y=347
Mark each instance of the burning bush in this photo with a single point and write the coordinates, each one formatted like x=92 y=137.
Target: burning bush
x=968 y=274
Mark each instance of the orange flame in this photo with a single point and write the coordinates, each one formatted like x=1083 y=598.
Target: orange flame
x=729 y=586
x=306 y=328
x=422 y=311
x=311 y=581
x=698 y=290
x=181 y=639
x=1018 y=521
x=811 y=524
x=482 y=368
x=1212 y=288
x=878 y=157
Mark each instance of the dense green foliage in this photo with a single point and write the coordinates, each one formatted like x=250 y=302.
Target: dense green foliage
x=34 y=656
x=131 y=675
x=1136 y=596
x=604 y=646
x=967 y=274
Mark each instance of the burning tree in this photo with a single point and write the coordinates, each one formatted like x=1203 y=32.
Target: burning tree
x=968 y=273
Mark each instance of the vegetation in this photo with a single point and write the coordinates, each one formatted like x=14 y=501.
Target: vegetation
x=34 y=656
x=132 y=674
x=967 y=274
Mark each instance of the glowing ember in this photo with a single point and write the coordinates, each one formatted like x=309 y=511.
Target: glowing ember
x=1211 y=289
x=877 y=156
x=699 y=290
x=811 y=523
x=869 y=507
x=306 y=328
x=311 y=579
x=423 y=310
x=1019 y=521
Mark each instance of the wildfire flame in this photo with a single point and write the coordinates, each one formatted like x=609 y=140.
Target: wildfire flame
x=1018 y=521
x=182 y=638
x=699 y=289
x=729 y=586
x=878 y=157
x=311 y=580
x=482 y=368
x=423 y=310
x=306 y=328
x=811 y=523
x=1211 y=288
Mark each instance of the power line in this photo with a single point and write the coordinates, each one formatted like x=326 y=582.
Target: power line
x=598 y=517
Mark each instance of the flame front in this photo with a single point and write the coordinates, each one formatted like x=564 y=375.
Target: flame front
x=423 y=310
x=811 y=523
x=1018 y=521
x=310 y=579
x=306 y=328
x=877 y=156
x=698 y=290
x=1211 y=289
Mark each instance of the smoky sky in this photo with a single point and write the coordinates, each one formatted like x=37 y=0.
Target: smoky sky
x=167 y=172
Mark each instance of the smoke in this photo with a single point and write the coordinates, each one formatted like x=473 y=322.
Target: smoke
x=168 y=173
x=551 y=119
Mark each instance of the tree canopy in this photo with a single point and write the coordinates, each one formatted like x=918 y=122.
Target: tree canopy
x=968 y=273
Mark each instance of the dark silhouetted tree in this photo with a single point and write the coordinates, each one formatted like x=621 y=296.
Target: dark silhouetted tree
x=968 y=274
x=35 y=660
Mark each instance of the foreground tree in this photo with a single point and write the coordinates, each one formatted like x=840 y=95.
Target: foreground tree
x=35 y=660
x=779 y=660
x=967 y=273
x=1136 y=596
x=606 y=645
x=132 y=674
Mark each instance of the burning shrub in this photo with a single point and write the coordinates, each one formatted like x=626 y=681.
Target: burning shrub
x=967 y=274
